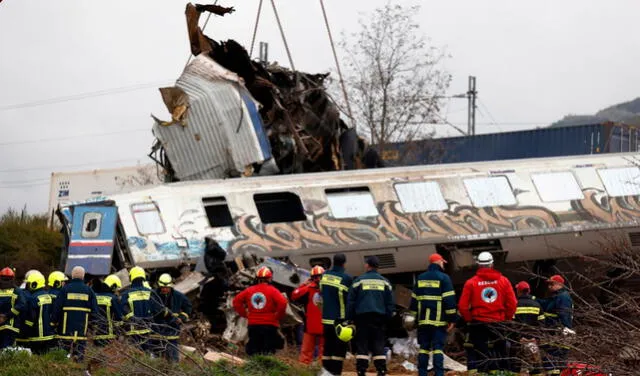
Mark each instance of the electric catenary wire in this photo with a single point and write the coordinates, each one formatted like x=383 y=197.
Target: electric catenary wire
x=284 y=39
x=255 y=28
x=335 y=57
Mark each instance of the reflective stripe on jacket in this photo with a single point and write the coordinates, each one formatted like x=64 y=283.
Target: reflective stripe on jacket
x=39 y=327
x=74 y=307
x=433 y=299
x=558 y=310
x=529 y=311
x=370 y=293
x=12 y=306
x=140 y=306
x=109 y=315
x=334 y=287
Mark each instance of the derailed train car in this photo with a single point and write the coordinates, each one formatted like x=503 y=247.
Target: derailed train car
x=521 y=210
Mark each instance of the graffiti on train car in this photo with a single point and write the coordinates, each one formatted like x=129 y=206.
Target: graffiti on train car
x=598 y=207
x=458 y=221
x=390 y=225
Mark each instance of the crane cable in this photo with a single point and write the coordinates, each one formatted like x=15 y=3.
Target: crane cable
x=284 y=39
x=335 y=57
x=255 y=29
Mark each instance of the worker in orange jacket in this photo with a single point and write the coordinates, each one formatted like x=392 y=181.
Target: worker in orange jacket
x=309 y=294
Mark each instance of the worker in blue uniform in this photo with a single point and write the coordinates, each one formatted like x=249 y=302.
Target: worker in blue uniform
x=141 y=308
x=167 y=335
x=73 y=309
x=40 y=333
x=433 y=301
x=12 y=307
x=370 y=304
x=109 y=316
x=558 y=312
x=334 y=287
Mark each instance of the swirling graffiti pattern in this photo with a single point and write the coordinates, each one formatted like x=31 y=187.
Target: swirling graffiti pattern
x=392 y=224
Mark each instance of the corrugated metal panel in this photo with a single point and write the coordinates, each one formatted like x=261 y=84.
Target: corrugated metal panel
x=547 y=142
x=224 y=130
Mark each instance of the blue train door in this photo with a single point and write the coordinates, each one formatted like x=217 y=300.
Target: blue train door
x=92 y=239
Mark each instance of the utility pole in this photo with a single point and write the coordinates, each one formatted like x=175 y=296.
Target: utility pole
x=471 y=95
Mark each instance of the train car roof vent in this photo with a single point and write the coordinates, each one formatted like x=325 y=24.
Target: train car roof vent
x=387 y=261
x=634 y=237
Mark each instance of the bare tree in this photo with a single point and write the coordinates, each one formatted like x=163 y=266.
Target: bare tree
x=395 y=79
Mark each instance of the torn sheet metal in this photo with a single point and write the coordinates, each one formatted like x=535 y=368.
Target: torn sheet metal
x=224 y=131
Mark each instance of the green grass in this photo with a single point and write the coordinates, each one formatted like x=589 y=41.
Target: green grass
x=56 y=364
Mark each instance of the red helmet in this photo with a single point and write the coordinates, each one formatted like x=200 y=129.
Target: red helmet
x=264 y=272
x=7 y=273
x=317 y=270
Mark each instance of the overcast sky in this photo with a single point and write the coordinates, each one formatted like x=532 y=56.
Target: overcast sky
x=535 y=61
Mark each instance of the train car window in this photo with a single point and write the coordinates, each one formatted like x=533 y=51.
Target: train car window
x=91 y=225
x=351 y=203
x=490 y=191
x=557 y=186
x=147 y=218
x=217 y=211
x=279 y=207
x=420 y=197
x=621 y=181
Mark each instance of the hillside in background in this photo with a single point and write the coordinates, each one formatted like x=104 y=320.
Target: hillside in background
x=627 y=112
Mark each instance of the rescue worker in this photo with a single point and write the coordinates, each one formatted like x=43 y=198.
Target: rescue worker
x=558 y=311
x=40 y=332
x=263 y=306
x=434 y=302
x=55 y=282
x=334 y=287
x=141 y=307
x=529 y=317
x=12 y=307
x=109 y=315
x=309 y=294
x=488 y=300
x=74 y=307
x=26 y=321
x=181 y=307
x=370 y=305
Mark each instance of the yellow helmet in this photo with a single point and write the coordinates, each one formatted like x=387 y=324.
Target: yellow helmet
x=137 y=272
x=56 y=279
x=345 y=332
x=35 y=281
x=165 y=280
x=113 y=281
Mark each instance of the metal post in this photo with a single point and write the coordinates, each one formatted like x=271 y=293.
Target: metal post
x=264 y=53
x=471 y=95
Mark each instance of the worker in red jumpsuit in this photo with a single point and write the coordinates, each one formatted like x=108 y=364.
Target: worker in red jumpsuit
x=487 y=301
x=263 y=306
x=309 y=294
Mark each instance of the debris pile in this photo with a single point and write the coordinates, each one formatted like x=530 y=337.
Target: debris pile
x=232 y=116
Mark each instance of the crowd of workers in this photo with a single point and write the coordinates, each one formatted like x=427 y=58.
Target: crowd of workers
x=340 y=311
x=56 y=312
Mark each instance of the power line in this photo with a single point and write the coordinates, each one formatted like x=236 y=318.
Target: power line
x=81 y=96
x=65 y=166
x=24 y=185
x=73 y=137
x=488 y=113
x=23 y=181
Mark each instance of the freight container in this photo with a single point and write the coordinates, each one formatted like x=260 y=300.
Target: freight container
x=536 y=143
x=82 y=185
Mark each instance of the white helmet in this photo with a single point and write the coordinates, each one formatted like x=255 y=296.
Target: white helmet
x=485 y=259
